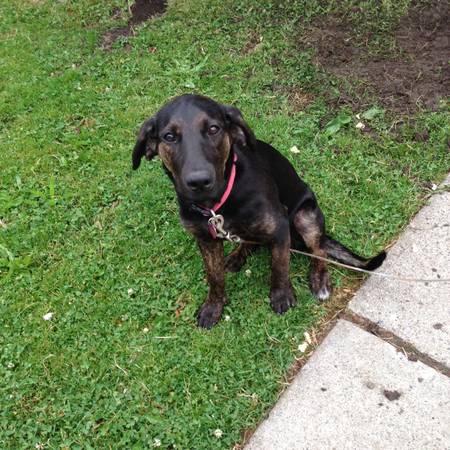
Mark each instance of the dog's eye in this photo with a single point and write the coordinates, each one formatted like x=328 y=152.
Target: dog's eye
x=213 y=129
x=169 y=137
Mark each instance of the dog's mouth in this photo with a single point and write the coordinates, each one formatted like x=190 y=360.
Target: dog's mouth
x=206 y=199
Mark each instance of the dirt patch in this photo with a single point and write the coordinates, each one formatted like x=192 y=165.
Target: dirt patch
x=418 y=73
x=141 y=10
x=297 y=98
x=253 y=43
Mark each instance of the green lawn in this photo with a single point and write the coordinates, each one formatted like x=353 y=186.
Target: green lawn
x=122 y=364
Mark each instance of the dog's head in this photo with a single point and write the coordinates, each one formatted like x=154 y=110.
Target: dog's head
x=193 y=136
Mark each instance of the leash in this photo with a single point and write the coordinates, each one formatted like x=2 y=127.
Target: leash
x=216 y=223
x=379 y=274
x=357 y=269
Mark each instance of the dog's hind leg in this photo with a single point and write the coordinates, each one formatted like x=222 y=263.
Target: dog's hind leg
x=310 y=224
x=236 y=259
x=281 y=295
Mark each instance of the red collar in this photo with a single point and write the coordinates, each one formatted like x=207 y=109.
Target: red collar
x=230 y=184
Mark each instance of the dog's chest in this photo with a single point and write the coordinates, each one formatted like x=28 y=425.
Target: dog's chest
x=254 y=228
x=258 y=226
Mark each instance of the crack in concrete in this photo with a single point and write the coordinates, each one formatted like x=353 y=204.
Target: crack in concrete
x=400 y=344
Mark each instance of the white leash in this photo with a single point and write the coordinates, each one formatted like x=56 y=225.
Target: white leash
x=379 y=274
x=217 y=221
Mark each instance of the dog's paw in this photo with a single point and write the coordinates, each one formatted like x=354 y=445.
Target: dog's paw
x=234 y=262
x=282 y=299
x=320 y=284
x=209 y=314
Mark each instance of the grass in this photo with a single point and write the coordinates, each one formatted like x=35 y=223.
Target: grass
x=122 y=364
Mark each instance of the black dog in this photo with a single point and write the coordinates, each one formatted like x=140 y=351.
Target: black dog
x=217 y=165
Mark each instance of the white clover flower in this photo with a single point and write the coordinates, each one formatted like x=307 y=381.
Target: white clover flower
x=47 y=316
x=307 y=337
x=130 y=292
x=156 y=443
x=218 y=433
x=227 y=318
x=302 y=347
x=145 y=330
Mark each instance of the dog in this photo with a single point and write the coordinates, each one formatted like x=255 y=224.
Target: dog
x=231 y=185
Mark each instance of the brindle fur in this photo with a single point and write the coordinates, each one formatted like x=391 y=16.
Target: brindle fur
x=213 y=260
x=269 y=204
x=311 y=226
x=236 y=259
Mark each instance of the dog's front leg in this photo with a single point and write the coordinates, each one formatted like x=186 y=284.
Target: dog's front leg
x=213 y=260
x=281 y=293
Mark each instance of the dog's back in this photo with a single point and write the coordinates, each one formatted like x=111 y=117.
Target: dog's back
x=293 y=192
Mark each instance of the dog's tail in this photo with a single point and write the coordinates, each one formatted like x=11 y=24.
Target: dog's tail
x=342 y=254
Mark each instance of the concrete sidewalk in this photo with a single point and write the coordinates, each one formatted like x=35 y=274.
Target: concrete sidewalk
x=361 y=391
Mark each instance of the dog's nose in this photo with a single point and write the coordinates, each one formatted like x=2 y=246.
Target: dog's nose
x=199 y=181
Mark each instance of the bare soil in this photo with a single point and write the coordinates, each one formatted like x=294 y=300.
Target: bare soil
x=141 y=10
x=416 y=74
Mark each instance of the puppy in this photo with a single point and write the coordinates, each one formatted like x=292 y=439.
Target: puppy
x=231 y=185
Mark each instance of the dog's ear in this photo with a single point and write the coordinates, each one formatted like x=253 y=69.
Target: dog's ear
x=240 y=131
x=146 y=144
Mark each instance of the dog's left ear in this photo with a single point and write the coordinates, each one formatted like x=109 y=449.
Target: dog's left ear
x=240 y=131
x=146 y=144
